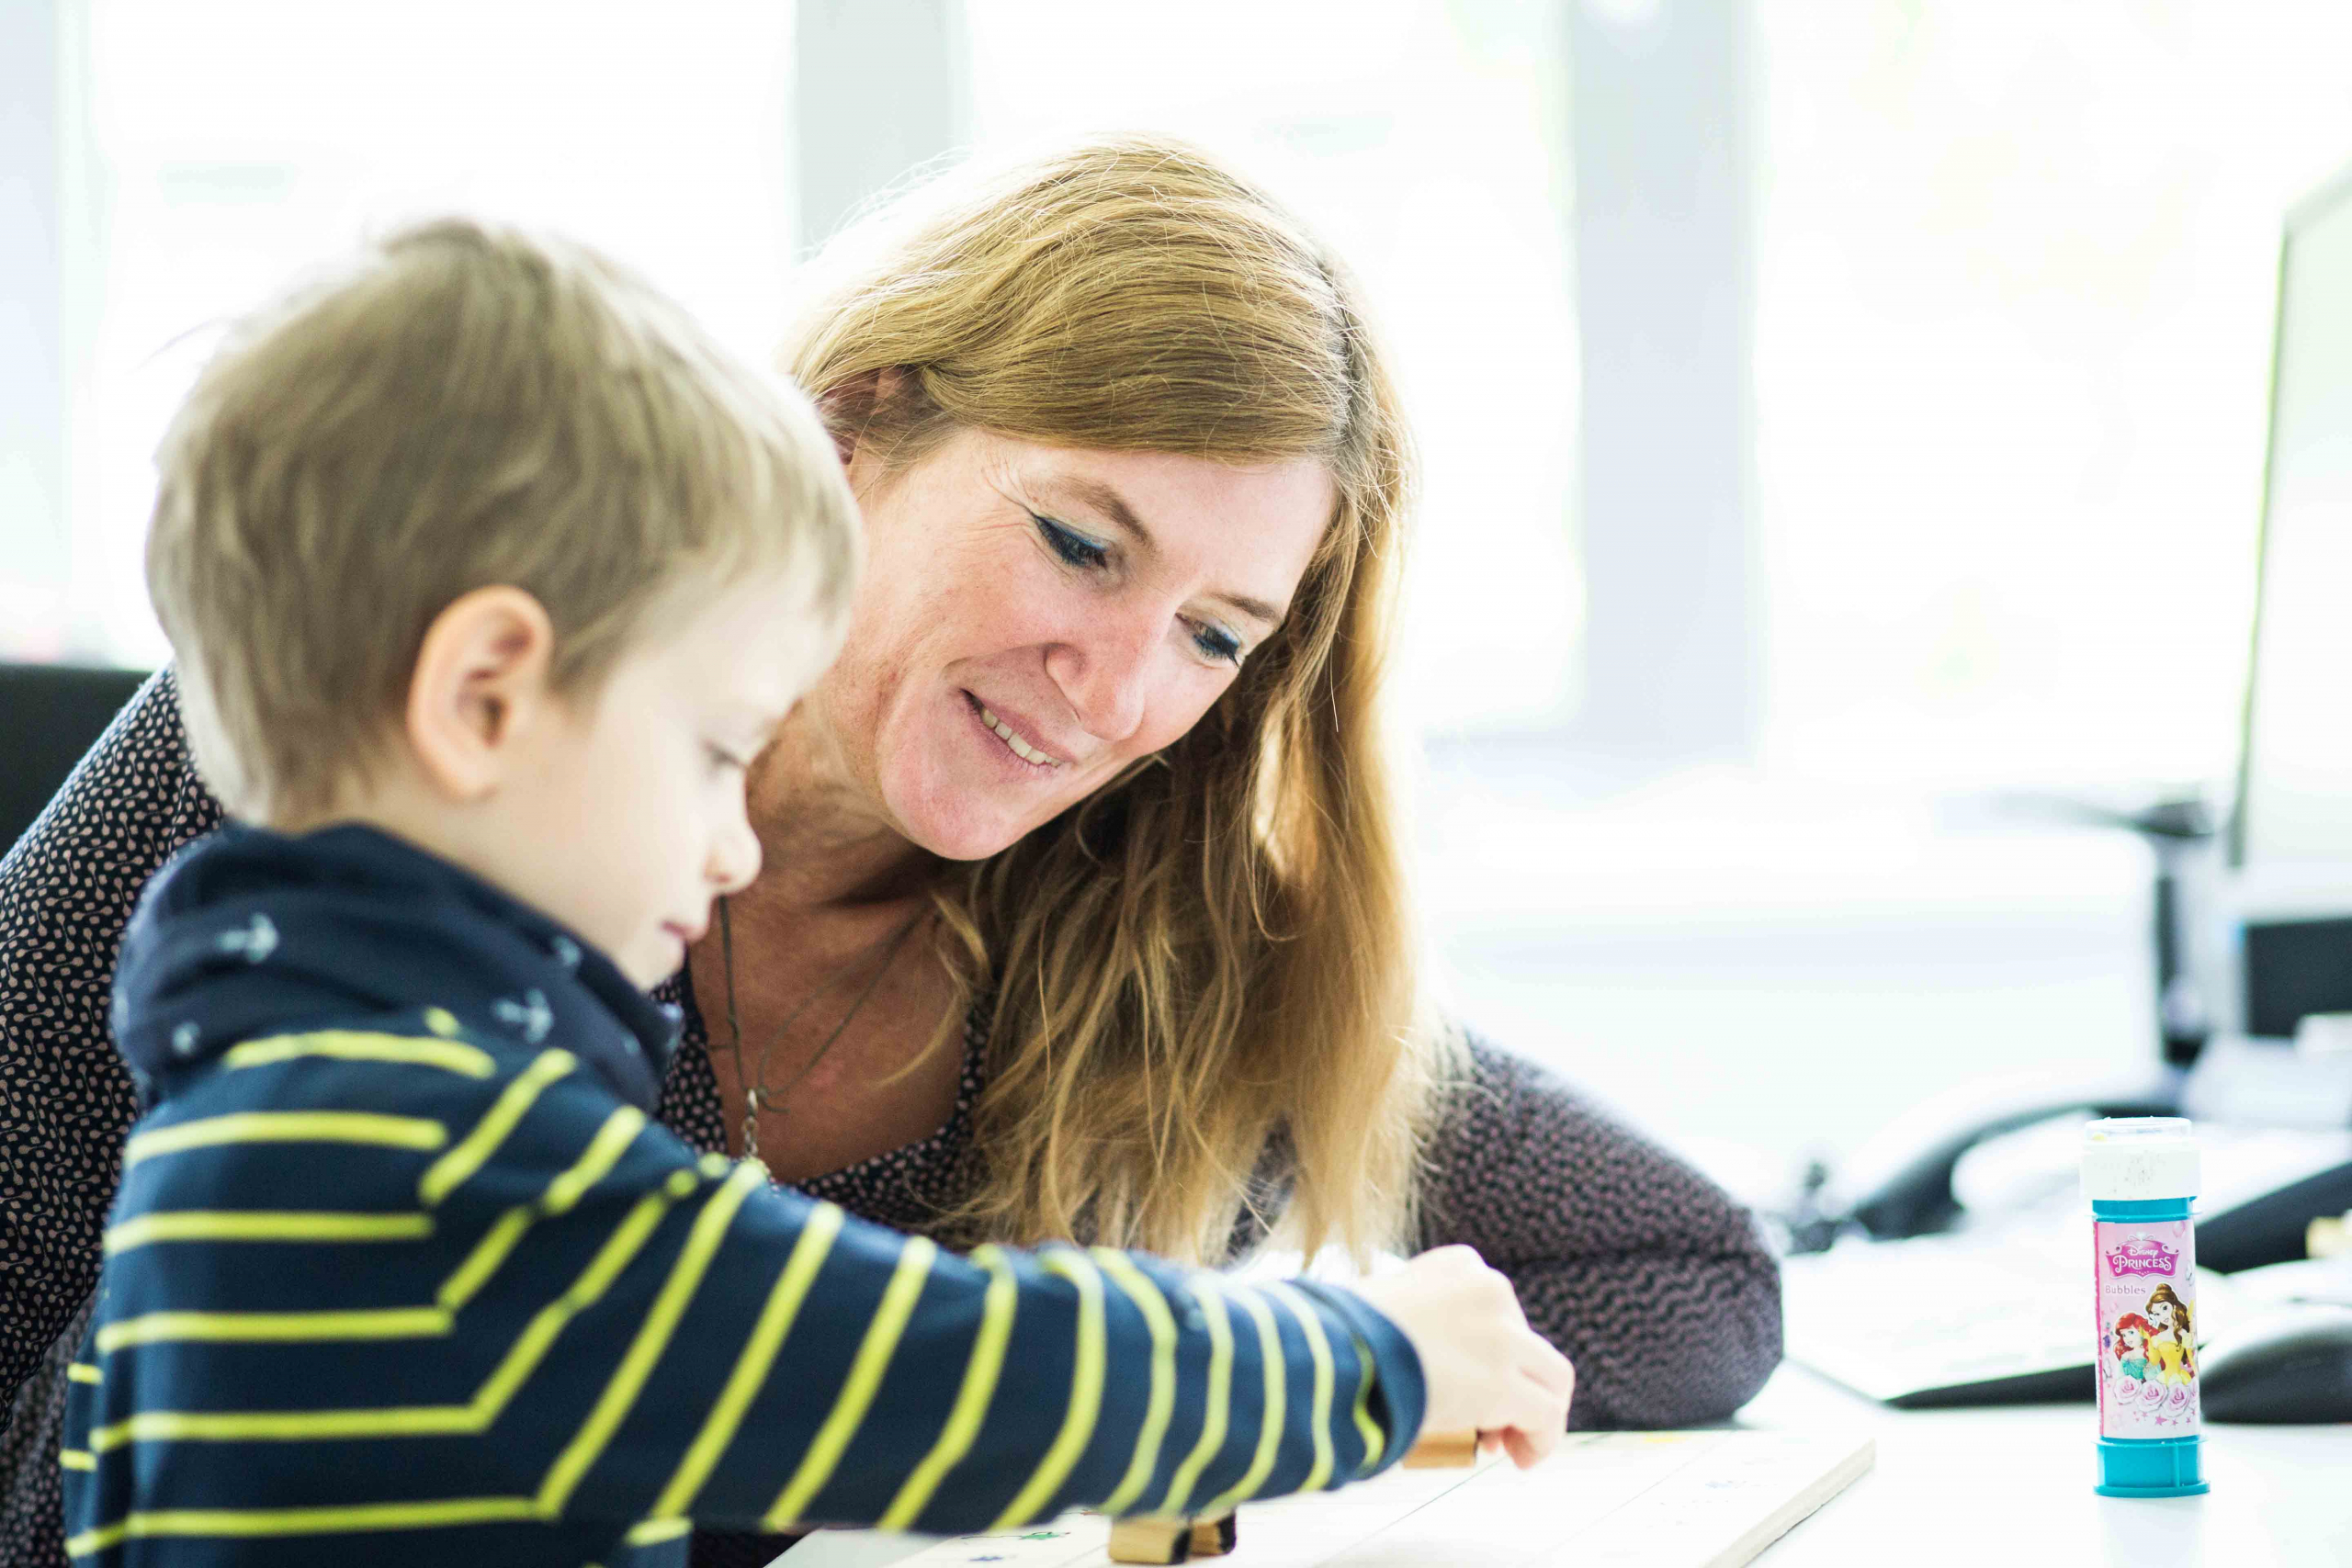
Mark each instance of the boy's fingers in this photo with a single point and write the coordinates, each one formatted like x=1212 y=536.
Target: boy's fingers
x=1548 y=1367
x=1529 y=1450
x=1535 y=1410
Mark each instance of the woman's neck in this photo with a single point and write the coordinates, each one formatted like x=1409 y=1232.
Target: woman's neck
x=824 y=845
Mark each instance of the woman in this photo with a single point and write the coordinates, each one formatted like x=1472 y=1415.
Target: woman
x=2173 y=1344
x=1082 y=911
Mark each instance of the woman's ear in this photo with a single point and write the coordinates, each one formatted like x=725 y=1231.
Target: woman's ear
x=481 y=683
x=850 y=409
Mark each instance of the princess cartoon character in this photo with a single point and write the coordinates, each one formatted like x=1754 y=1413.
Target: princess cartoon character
x=2172 y=1344
x=2133 y=1333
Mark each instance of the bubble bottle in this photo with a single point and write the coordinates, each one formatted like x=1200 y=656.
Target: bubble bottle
x=2140 y=1174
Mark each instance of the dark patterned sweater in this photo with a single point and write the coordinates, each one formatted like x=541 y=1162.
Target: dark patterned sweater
x=1648 y=1278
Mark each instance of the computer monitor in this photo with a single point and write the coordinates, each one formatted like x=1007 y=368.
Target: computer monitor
x=2290 y=836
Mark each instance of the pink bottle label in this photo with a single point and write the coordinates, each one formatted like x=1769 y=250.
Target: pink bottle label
x=2144 y=1281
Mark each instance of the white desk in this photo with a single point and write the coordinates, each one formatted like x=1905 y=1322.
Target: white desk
x=2008 y=1488
x=2011 y=1488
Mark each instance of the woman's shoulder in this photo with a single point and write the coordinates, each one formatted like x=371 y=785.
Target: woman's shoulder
x=133 y=800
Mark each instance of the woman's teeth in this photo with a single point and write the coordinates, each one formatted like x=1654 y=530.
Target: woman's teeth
x=1021 y=748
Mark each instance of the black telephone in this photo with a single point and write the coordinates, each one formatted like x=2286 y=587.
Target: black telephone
x=1917 y=1198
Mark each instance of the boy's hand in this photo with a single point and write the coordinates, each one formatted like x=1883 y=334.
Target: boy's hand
x=1484 y=1367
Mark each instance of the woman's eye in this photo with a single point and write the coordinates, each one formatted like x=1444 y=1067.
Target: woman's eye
x=1074 y=547
x=1217 y=644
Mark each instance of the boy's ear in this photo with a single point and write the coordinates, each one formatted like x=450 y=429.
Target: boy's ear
x=481 y=681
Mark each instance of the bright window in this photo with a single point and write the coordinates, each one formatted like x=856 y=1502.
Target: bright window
x=2013 y=348
x=238 y=142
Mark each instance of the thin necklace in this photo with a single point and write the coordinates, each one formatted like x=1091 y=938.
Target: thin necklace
x=757 y=1095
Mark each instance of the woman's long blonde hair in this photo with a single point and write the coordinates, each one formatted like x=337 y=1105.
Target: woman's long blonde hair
x=1213 y=953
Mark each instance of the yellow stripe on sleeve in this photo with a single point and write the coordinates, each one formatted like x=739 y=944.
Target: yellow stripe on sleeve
x=981 y=1371
x=448 y=1173
x=604 y=1150
x=522 y=1360
x=76 y=1459
x=652 y=1338
x=349 y=1045
x=287 y=1127
x=1085 y=1391
x=751 y=1372
x=236 y=1524
x=1318 y=1346
x=531 y=1347
x=264 y=1224
x=1270 y=1432
x=1217 y=1410
x=287 y=1426
x=160 y=1327
x=873 y=1360
x=482 y=1262
x=1375 y=1441
x=653 y=1533
x=1162 y=1405
x=82 y=1372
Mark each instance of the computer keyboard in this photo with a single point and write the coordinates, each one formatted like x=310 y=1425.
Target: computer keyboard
x=1951 y=1320
x=2000 y=1312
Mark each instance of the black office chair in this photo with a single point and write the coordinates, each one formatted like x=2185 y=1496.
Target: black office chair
x=50 y=714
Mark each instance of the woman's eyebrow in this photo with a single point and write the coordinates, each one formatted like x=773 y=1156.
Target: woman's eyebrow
x=1103 y=498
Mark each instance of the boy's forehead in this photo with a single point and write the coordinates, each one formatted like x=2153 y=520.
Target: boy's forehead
x=752 y=643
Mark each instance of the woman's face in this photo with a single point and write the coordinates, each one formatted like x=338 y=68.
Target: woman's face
x=2160 y=1314
x=1033 y=619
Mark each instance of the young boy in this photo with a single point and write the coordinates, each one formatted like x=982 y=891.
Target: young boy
x=486 y=575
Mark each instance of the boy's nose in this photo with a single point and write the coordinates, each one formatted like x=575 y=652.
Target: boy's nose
x=735 y=857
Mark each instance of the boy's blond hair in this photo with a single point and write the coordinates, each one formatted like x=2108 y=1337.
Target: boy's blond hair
x=463 y=406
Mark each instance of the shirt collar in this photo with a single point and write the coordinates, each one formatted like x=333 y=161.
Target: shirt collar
x=251 y=932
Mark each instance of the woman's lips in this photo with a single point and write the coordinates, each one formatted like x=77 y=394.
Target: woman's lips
x=1014 y=741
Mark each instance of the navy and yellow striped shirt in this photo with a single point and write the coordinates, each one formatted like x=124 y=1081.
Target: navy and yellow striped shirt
x=401 y=1271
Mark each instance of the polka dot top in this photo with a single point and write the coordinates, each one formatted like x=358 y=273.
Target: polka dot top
x=907 y=1188
x=1650 y=1279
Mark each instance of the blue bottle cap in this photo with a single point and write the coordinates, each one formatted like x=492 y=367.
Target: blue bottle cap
x=2150 y=1467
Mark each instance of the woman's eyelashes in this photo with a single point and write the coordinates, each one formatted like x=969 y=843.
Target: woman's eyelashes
x=1076 y=549
x=1216 y=643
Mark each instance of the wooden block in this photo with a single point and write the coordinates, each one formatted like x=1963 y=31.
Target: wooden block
x=1442 y=1451
x=1214 y=1538
x=1171 y=1540
x=1151 y=1540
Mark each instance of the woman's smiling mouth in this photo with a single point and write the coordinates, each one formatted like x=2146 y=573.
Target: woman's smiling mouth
x=1037 y=757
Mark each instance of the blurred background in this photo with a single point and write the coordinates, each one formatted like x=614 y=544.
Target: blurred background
x=1844 y=424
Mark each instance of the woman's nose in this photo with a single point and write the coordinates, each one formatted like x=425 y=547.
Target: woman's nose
x=1105 y=674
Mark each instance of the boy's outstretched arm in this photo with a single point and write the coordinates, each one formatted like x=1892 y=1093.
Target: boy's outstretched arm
x=827 y=1371
x=762 y=1361
x=559 y=1313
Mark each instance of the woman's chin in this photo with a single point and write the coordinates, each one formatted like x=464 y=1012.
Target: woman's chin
x=961 y=796
x=962 y=825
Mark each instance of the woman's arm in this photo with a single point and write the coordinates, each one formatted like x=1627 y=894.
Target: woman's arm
x=1642 y=1271
x=67 y=892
